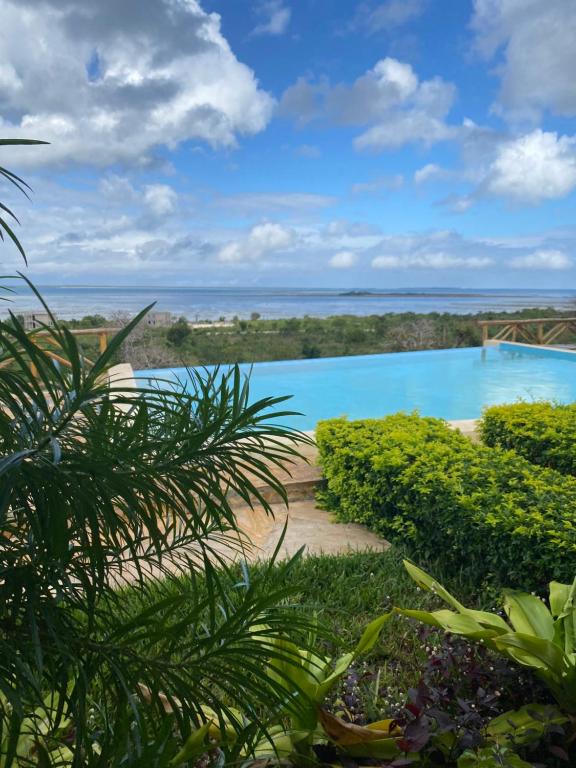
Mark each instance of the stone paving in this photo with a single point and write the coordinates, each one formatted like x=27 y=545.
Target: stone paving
x=307 y=526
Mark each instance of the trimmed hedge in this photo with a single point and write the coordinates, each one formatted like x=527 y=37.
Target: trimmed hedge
x=541 y=432
x=482 y=510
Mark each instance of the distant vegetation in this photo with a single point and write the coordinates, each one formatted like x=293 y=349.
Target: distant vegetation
x=255 y=340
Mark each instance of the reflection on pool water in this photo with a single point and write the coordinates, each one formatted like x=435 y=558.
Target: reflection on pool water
x=450 y=383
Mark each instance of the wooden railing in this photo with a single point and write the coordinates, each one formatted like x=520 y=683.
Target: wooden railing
x=101 y=333
x=541 y=330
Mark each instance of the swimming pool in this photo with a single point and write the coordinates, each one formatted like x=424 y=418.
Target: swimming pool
x=450 y=383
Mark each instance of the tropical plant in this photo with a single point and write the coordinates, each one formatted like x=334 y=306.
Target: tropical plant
x=42 y=737
x=310 y=679
x=300 y=729
x=105 y=484
x=21 y=186
x=538 y=636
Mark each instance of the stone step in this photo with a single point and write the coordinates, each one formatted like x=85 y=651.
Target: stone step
x=300 y=479
x=296 y=490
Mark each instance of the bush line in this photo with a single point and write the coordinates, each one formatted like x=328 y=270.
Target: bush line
x=541 y=432
x=486 y=511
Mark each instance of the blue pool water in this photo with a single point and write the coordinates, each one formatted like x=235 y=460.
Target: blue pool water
x=451 y=383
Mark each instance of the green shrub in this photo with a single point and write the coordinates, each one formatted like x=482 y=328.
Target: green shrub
x=544 y=433
x=482 y=510
x=178 y=332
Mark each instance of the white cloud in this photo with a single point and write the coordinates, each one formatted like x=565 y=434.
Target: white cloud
x=389 y=100
x=382 y=182
x=308 y=150
x=118 y=189
x=86 y=233
x=428 y=172
x=535 y=167
x=457 y=204
x=403 y=129
x=343 y=260
x=160 y=199
x=431 y=260
x=262 y=240
x=107 y=82
x=388 y=16
x=276 y=18
x=256 y=202
x=536 y=38
x=545 y=259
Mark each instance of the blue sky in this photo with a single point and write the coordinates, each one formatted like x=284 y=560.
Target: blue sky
x=381 y=143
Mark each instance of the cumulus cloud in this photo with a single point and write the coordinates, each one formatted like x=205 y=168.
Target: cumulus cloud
x=262 y=240
x=536 y=40
x=86 y=233
x=160 y=199
x=107 y=82
x=545 y=259
x=157 y=199
x=275 y=18
x=343 y=260
x=535 y=167
x=389 y=101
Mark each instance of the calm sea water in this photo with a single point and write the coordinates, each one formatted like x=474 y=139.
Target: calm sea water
x=213 y=303
x=449 y=383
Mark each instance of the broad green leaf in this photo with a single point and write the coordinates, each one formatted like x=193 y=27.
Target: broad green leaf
x=194 y=747
x=425 y=581
x=488 y=620
x=294 y=668
x=457 y=623
x=560 y=595
x=281 y=743
x=371 y=634
x=525 y=725
x=340 y=669
x=431 y=585
x=534 y=652
x=528 y=614
x=563 y=606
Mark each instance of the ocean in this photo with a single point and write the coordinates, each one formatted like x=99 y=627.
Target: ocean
x=213 y=303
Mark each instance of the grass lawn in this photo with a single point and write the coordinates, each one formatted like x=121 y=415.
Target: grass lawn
x=346 y=592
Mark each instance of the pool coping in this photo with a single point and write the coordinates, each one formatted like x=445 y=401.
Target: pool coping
x=532 y=347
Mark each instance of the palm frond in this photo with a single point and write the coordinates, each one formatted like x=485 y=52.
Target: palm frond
x=22 y=186
x=118 y=539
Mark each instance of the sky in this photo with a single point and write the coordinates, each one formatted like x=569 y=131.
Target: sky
x=314 y=143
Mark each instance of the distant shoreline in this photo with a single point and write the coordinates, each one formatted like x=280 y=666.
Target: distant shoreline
x=277 y=303
x=411 y=295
